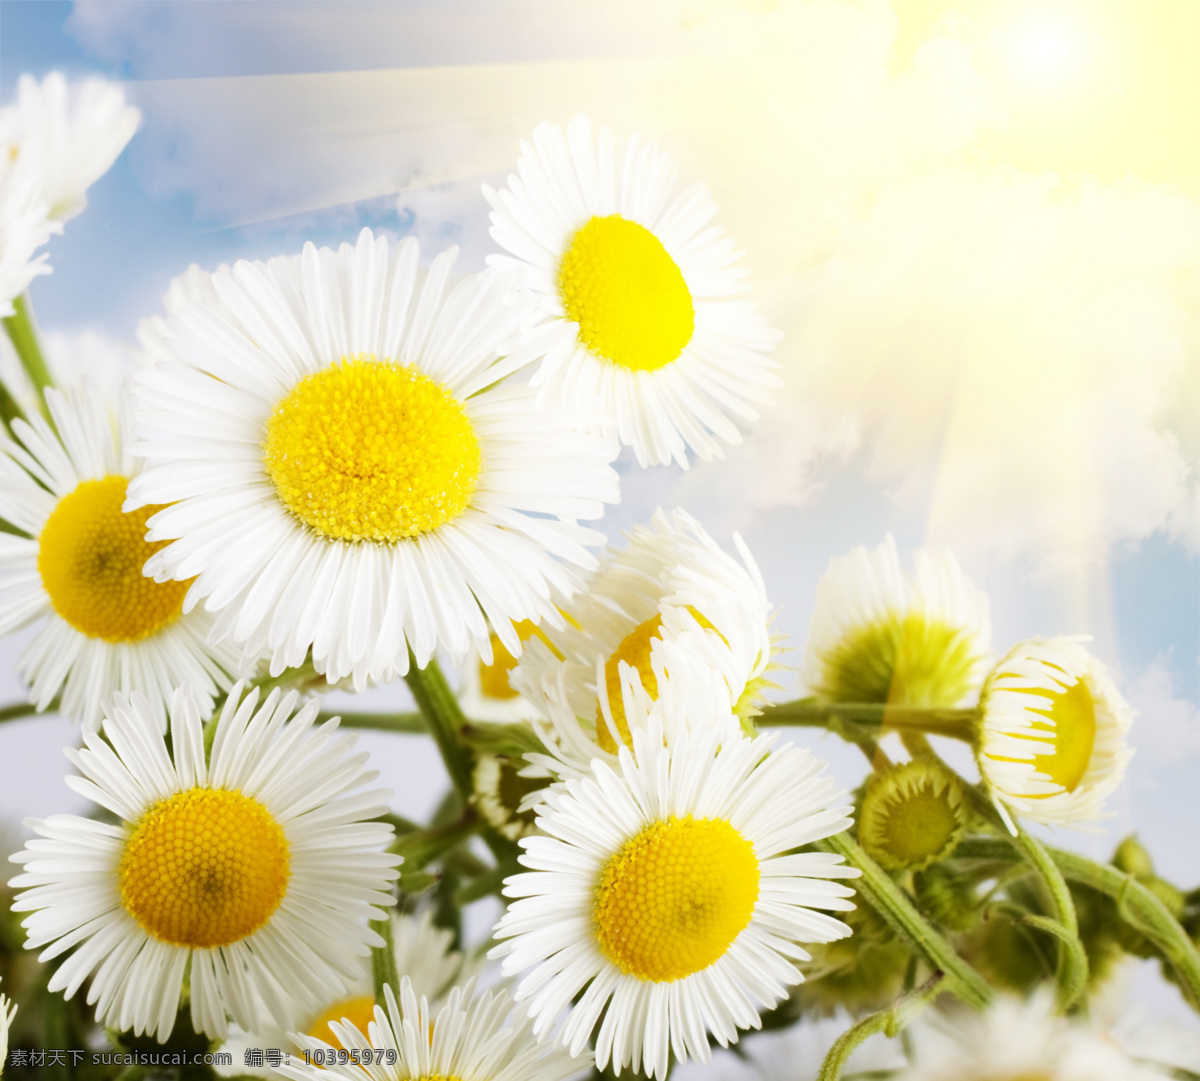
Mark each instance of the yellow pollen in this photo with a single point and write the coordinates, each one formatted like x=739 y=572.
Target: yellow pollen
x=493 y=678
x=359 y=1011
x=674 y=898
x=370 y=450
x=1072 y=714
x=90 y=558
x=204 y=868
x=627 y=294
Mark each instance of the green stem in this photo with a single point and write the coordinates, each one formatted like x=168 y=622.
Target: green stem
x=383 y=722
x=22 y=709
x=895 y=1019
x=1136 y=905
x=22 y=332
x=890 y=902
x=422 y=846
x=443 y=719
x=1071 y=969
x=1071 y=966
x=852 y=720
x=383 y=959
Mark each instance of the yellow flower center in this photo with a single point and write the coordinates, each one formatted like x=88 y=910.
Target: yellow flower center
x=627 y=294
x=903 y=660
x=359 y=1011
x=204 y=868
x=674 y=898
x=633 y=650
x=90 y=558
x=494 y=677
x=1072 y=726
x=371 y=450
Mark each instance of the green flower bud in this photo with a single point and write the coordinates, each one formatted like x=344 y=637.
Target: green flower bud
x=912 y=815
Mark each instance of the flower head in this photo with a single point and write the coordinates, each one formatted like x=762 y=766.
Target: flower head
x=73 y=133
x=667 y=896
x=635 y=289
x=1021 y=1041
x=880 y=635
x=107 y=627
x=348 y=473
x=473 y=1037
x=671 y=591
x=1051 y=742
x=256 y=869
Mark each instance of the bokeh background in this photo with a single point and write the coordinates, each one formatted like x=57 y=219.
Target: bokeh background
x=976 y=221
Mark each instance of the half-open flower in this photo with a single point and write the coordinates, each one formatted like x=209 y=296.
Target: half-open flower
x=1051 y=740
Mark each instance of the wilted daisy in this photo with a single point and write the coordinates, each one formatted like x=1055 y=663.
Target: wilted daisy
x=74 y=134
x=347 y=472
x=1019 y=1041
x=635 y=289
x=1051 y=739
x=255 y=871
x=107 y=627
x=880 y=635
x=664 y=897
x=424 y=955
x=473 y=1037
x=671 y=581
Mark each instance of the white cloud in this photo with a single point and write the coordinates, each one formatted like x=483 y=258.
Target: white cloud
x=1167 y=730
x=1013 y=358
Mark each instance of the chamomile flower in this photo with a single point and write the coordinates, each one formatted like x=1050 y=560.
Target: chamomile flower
x=663 y=895
x=473 y=1037
x=635 y=289
x=73 y=133
x=107 y=627
x=880 y=635
x=670 y=582
x=349 y=476
x=1019 y=1041
x=1051 y=739
x=25 y=225
x=254 y=869
x=424 y=956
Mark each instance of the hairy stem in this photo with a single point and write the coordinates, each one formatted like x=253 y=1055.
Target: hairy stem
x=890 y=902
x=853 y=720
x=891 y=1021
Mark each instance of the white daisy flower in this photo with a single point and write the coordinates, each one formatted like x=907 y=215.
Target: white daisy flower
x=348 y=475
x=671 y=583
x=256 y=871
x=1018 y=1041
x=635 y=289
x=25 y=225
x=423 y=955
x=668 y=896
x=881 y=635
x=473 y=1037
x=73 y=133
x=107 y=628
x=1051 y=740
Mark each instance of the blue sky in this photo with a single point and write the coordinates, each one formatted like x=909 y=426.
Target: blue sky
x=165 y=205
